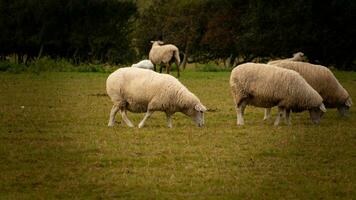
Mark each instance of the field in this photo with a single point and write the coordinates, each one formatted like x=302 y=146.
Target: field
x=55 y=144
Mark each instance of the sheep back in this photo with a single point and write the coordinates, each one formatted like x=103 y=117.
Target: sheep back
x=299 y=56
x=163 y=53
x=321 y=79
x=266 y=86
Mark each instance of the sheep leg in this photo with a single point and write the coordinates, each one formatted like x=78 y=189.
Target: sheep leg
x=113 y=112
x=147 y=115
x=125 y=118
x=169 y=120
x=287 y=115
x=160 y=68
x=240 y=113
x=267 y=113
x=281 y=113
x=168 y=68
x=177 y=69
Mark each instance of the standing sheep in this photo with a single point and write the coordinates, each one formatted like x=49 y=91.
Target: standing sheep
x=144 y=64
x=139 y=90
x=299 y=56
x=164 y=55
x=263 y=85
x=323 y=81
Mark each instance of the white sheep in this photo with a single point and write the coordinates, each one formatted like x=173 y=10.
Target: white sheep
x=139 y=90
x=263 y=85
x=299 y=56
x=323 y=81
x=164 y=55
x=144 y=64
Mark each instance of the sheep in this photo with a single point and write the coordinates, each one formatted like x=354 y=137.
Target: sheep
x=263 y=85
x=323 y=81
x=164 y=55
x=144 y=64
x=139 y=90
x=299 y=56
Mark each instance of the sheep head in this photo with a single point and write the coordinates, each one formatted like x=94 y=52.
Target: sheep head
x=317 y=113
x=299 y=56
x=158 y=42
x=198 y=114
x=344 y=108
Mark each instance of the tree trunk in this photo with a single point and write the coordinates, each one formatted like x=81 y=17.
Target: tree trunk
x=185 y=59
x=40 y=52
x=75 y=58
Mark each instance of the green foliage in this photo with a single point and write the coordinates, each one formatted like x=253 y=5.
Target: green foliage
x=55 y=144
x=46 y=64
x=15 y=68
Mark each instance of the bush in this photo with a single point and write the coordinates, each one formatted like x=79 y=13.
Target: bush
x=47 y=64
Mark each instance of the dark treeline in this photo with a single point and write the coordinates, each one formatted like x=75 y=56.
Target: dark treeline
x=233 y=30
x=81 y=30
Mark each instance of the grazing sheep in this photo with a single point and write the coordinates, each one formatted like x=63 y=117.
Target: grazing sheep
x=323 y=81
x=299 y=56
x=139 y=90
x=164 y=55
x=144 y=64
x=263 y=85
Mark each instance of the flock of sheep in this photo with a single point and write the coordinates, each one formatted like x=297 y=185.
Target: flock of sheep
x=290 y=84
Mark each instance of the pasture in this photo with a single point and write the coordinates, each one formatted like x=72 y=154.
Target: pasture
x=55 y=143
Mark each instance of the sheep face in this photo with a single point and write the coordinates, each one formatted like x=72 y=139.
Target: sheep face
x=317 y=113
x=197 y=114
x=344 y=108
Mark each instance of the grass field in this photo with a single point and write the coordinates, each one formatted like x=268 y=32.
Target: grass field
x=55 y=143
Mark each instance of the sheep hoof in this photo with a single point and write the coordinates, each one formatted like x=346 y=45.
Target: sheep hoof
x=140 y=125
x=111 y=124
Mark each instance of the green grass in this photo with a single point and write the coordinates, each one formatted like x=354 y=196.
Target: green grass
x=58 y=146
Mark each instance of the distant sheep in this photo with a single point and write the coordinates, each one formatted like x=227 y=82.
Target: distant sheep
x=263 y=85
x=323 y=81
x=144 y=64
x=299 y=56
x=139 y=90
x=164 y=55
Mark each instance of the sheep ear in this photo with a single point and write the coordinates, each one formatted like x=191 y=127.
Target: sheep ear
x=152 y=41
x=200 y=108
x=348 y=102
x=322 y=107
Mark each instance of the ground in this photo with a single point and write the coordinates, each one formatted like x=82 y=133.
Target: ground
x=55 y=143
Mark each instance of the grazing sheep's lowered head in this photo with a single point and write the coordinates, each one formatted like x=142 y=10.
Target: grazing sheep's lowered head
x=344 y=108
x=197 y=114
x=317 y=113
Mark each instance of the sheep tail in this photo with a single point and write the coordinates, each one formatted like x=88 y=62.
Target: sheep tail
x=176 y=56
